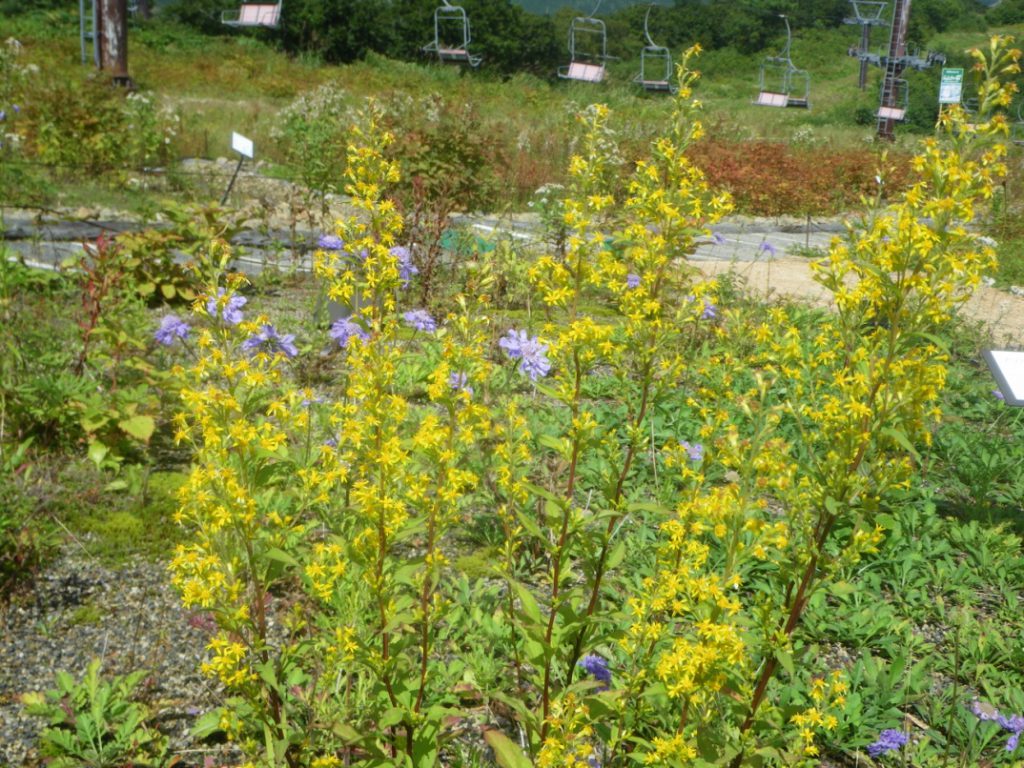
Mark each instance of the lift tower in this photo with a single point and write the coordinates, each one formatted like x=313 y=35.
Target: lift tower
x=866 y=14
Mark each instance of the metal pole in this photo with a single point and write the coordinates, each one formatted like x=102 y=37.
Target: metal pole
x=865 y=44
x=894 y=64
x=81 y=27
x=241 y=159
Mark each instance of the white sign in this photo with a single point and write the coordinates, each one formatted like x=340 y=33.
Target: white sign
x=241 y=145
x=951 y=86
x=1008 y=368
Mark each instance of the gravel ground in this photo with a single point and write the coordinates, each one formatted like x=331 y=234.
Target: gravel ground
x=132 y=619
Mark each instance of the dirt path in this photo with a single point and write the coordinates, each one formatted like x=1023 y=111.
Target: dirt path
x=1001 y=312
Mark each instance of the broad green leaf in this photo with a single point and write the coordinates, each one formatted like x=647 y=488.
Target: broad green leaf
x=139 y=427
x=506 y=752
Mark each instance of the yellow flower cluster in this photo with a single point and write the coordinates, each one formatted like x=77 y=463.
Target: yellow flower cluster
x=828 y=697
x=570 y=736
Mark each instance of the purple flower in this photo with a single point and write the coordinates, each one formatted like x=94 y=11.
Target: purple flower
x=331 y=442
x=529 y=351
x=710 y=311
x=330 y=243
x=768 y=248
x=171 y=327
x=16 y=109
x=632 y=280
x=597 y=667
x=421 y=320
x=717 y=238
x=998 y=395
x=1013 y=723
x=3 y=115
x=695 y=452
x=459 y=380
x=232 y=312
x=406 y=269
x=271 y=342
x=984 y=711
x=888 y=740
x=344 y=329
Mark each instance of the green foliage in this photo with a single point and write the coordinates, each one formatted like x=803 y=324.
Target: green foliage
x=96 y=723
x=87 y=126
x=23 y=541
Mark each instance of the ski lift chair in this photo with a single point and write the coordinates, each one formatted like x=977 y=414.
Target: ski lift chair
x=450 y=18
x=586 y=64
x=655 y=64
x=781 y=83
x=253 y=15
x=900 y=101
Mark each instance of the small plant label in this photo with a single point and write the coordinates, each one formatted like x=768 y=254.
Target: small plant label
x=951 y=85
x=242 y=145
x=1008 y=368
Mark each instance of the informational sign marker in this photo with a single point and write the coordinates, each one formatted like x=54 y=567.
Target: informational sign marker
x=243 y=146
x=951 y=86
x=1008 y=368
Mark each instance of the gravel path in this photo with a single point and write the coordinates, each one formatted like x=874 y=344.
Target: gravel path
x=132 y=619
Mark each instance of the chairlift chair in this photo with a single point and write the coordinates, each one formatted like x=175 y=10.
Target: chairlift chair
x=452 y=36
x=896 y=109
x=253 y=15
x=586 y=64
x=655 y=64
x=781 y=83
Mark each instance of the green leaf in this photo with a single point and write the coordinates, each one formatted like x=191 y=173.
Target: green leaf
x=900 y=437
x=506 y=752
x=528 y=603
x=785 y=658
x=146 y=289
x=207 y=724
x=139 y=427
x=391 y=716
x=280 y=556
x=168 y=291
x=97 y=452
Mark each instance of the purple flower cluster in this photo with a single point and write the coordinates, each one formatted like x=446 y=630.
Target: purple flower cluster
x=632 y=280
x=344 y=329
x=268 y=340
x=232 y=312
x=695 y=451
x=889 y=740
x=421 y=320
x=330 y=243
x=597 y=667
x=171 y=328
x=710 y=311
x=1014 y=724
x=459 y=380
x=768 y=248
x=529 y=351
x=406 y=269
x=717 y=238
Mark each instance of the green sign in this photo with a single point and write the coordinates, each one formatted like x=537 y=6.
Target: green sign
x=951 y=86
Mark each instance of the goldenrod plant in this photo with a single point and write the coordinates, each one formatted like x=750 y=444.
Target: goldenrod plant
x=665 y=505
